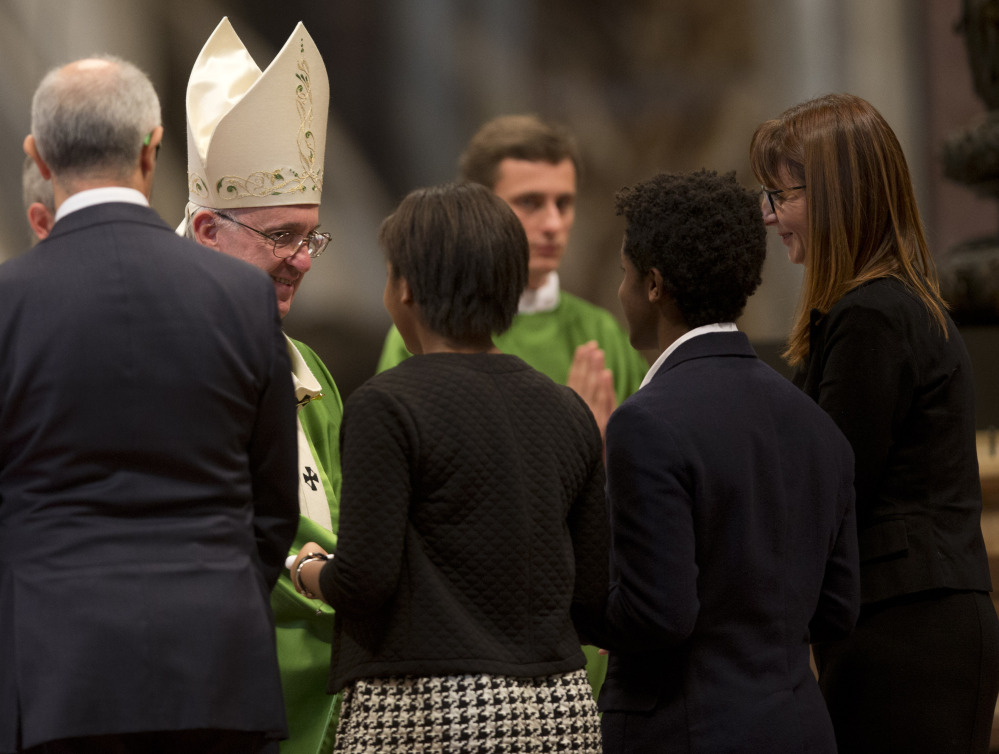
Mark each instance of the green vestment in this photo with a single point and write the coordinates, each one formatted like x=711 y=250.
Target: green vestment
x=304 y=639
x=548 y=340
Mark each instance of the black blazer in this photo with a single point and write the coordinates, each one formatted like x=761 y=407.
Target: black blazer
x=147 y=484
x=733 y=546
x=903 y=395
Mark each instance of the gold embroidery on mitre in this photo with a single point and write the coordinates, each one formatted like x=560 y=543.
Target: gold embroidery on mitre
x=271 y=183
x=196 y=185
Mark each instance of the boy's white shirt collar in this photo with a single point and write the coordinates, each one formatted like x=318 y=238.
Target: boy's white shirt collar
x=702 y=330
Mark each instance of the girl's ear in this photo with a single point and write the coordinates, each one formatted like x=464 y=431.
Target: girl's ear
x=405 y=294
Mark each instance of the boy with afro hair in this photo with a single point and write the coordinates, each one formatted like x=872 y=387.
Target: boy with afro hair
x=730 y=495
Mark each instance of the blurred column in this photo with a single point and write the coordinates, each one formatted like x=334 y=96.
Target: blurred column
x=814 y=47
x=453 y=63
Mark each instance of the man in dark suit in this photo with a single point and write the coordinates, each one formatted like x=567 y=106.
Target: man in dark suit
x=147 y=455
x=730 y=494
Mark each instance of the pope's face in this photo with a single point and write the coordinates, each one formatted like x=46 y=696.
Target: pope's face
x=242 y=243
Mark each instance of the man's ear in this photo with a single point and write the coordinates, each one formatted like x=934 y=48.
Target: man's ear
x=150 y=149
x=40 y=220
x=31 y=149
x=205 y=227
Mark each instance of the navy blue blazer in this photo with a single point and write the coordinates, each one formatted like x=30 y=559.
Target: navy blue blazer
x=733 y=547
x=147 y=484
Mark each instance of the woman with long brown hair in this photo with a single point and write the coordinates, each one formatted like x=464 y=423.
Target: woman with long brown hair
x=873 y=344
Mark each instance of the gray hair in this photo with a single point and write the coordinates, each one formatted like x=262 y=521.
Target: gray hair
x=93 y=120
x=34 y=188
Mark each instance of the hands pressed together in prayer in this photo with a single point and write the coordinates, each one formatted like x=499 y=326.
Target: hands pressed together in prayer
x=593 y=382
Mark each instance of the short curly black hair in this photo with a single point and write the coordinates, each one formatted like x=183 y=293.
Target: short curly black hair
x=704 y=233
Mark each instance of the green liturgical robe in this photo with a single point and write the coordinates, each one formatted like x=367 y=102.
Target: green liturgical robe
x=304 y=636
x=547 y=341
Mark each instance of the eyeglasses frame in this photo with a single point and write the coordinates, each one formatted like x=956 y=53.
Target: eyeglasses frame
x=274 y=241
x=771 y=193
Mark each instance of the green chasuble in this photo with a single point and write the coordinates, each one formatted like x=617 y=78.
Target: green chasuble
x=547 y=341
x=304 y=639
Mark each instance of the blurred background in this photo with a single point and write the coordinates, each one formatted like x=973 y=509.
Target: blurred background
x=646 y=85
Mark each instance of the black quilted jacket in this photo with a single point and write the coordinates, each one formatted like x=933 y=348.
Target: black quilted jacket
x=473 y=532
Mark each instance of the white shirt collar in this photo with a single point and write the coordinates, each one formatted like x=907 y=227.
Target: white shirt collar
x=702 y=330
x=103 y=195
x=543 y=299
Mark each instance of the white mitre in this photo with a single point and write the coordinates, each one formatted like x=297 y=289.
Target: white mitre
x=256 y=139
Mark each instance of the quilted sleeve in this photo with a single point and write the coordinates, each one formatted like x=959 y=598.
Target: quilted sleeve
x=377 y=443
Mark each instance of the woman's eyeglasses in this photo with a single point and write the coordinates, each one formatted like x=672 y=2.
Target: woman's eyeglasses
x=771 y=193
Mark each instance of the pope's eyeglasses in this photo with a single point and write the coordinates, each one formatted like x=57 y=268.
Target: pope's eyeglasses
x=284 y=244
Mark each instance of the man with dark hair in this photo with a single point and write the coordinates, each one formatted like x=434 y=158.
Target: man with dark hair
x=517 y=137
x=147 y=456
x=533 y=166
x=731 y=499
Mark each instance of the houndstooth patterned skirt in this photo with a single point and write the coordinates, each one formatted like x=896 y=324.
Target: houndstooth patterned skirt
x=469 y=713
